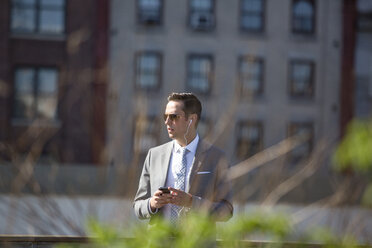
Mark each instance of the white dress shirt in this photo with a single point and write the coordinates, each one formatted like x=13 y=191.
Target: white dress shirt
x=176 y=159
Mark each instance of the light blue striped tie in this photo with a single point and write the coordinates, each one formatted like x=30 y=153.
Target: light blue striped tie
x=179 y=183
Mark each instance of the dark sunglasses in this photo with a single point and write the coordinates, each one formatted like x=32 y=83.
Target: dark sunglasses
x=172 y=117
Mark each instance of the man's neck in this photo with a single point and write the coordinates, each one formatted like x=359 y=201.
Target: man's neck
x=189 y=138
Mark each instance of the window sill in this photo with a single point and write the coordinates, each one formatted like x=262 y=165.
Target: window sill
x=299 y=37
x=146 y=29
x=253 y=34
x=37 y=36
x=36 y=123
x=202 y=31
x=301 y=98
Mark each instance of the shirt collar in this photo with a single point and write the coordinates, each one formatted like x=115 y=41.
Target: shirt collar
x=191 y=147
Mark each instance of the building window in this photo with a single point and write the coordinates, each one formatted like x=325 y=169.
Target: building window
x=38 y=16
x=146 y=134
x=301 y=78
x=249 y=139
x=149 y=12
x=201 y=16
x=199 y=73
x=148 y=70
x=303 y=16
x=35 y=93
x=303 y=150
x=252 y=15
x=251 y=71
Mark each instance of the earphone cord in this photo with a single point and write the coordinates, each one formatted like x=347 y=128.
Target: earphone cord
x=187 y=131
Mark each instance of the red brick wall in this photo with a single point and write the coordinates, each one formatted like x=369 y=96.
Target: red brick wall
x=81 y=94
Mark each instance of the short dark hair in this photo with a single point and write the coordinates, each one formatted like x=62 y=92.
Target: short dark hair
x=191 y=104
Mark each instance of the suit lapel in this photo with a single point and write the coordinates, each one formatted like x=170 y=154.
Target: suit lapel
x=164 y=163
x=198 y=161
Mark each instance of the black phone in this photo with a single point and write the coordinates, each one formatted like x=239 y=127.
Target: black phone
x=164 y=190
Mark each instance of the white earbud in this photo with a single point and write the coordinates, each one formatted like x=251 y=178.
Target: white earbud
x=187 y=131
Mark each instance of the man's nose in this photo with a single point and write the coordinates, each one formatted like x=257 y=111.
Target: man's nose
x=167 y=120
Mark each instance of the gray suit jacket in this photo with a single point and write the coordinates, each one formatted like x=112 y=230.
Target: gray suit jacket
x=211 y=192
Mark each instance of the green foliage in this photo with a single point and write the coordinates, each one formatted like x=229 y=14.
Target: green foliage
x=355 y=150
x=194 y=231
x=104 y=236
x=200 y=231
x=329 y=240
x=273 y=226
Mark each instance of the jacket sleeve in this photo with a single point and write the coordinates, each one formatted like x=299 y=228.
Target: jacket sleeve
x=143 y=195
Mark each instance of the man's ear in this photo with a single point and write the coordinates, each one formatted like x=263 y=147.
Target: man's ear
x=193 y=118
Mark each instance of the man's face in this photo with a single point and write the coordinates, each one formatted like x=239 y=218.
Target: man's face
x=175 y=120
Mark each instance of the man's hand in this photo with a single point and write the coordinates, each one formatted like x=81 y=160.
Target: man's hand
x=180 y=198
x=159 y=199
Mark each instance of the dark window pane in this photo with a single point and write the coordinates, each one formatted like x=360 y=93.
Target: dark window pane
x=48 y=81
x=252 y=5
x=251 y=22
x=24 y=80
x=303 y=150
x=23 y=19
x=24 y=100
x=38 y=16
x=35 y=93
x=51 y=21
x=150 y=11
x=302 y=78
x=148 y=71
x=149 y=4
x=201 y=5
x=53 y=3
x=252 y=14
x=251 y=75
x=199 y=71
x=249 y=139
x=201 y=14
x=303 y=16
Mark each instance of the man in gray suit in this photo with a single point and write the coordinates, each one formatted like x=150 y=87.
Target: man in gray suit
x=192 y=170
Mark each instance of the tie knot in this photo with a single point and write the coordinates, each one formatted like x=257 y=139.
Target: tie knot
x=183 y=150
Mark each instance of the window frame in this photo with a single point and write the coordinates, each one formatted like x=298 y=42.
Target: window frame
x=37 y=19
x=210 y=76
x=148 y=23
x=192 y=12
x=239 y=137
x=35 y=94
x=260 y=90
x=158 y=74
x=298 y=31
x=292 y=125
x=291 y=81
x=262 y=17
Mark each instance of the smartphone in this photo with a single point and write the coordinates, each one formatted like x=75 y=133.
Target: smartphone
x=164 y=190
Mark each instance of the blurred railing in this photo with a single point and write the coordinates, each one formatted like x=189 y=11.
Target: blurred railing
x=20 y=241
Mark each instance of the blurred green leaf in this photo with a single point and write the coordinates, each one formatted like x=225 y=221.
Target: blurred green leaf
x=199 y=231
x=104 y=236
x=355 y=150
x=326 y=237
